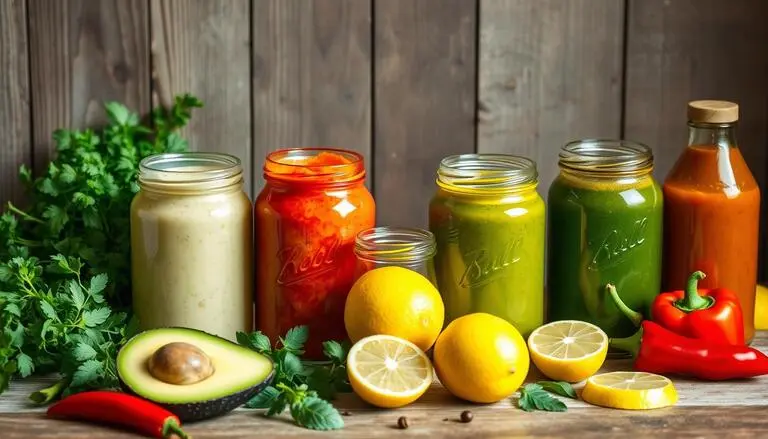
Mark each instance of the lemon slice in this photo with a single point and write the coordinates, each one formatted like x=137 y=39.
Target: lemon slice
x=568 y=350
x=629 y=390
x=387 y=371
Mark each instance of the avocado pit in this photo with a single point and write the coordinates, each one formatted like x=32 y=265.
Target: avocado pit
x=180 y=363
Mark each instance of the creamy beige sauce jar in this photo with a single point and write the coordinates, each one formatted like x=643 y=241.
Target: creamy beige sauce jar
x=191 y=244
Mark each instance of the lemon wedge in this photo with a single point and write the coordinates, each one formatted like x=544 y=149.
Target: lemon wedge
x=630 y=391
x=388 y=371
x=568 y=350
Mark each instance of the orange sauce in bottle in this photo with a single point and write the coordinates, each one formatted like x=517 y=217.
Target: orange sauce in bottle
x=712 y=210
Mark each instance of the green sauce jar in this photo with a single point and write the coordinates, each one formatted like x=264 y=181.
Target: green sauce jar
x=488 y=222
x=605 y=226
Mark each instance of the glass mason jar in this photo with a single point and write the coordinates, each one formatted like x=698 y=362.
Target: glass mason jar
x=307 y=216
x=712 y=210
x=413 y=249
x=191 y=244
x=605 y=221
x=488 y=221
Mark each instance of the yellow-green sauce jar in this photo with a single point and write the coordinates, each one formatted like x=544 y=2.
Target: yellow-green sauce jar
x=488 y=221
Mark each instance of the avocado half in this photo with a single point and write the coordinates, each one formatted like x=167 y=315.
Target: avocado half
x=238 y=375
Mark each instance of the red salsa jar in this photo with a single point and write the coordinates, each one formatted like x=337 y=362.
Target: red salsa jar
x=307 y=216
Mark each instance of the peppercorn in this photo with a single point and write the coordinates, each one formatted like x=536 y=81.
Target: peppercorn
x=466 y=416
x=402 y=422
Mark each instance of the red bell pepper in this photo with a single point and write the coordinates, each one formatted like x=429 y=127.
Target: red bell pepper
x=711 y=314
x=661 y=351
x=120 y=409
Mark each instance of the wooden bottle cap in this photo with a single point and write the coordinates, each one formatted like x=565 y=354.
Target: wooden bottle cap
x=713 y=111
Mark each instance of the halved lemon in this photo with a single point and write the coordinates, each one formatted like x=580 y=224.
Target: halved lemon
x=388 y=371
x=629 y=390
x=568 y=350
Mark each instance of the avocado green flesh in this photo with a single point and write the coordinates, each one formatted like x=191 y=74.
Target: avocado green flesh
x=239 y=373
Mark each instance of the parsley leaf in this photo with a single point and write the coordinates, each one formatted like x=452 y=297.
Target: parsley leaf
x=96 y=317
x=534 y=397
x=84 y=351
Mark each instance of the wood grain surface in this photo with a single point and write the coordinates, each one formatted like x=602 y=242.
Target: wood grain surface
x=705 y=409
x=83 y=53
x=14 y=99
x=202 y=47
x=425 y=74
x=311 y=76
x=682 y=50
x=550 y=72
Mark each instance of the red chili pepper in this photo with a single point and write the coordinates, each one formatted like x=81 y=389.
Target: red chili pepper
x=121 y=409
x=710 y=314
x=661 y=351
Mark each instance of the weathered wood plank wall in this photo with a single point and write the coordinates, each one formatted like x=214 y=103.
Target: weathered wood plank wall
x=403 y=82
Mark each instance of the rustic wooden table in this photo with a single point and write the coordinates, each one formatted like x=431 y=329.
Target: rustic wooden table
x=724 y=409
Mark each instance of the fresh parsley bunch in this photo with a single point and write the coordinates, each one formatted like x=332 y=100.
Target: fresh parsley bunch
x=65 y=260
x=299 y=386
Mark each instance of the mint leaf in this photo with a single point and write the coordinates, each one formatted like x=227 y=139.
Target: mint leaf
x=561 y=388
x=260 y=342
x=316 y=414
x=291 y=365
x=84 y=352
x=334 y=351
x=25 y=365
x=534 y=397
x=264 y=399
x=96 y=317
x=86 y=372
x=295 y=338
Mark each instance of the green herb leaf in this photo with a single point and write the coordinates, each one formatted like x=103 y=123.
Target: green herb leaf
x=561 y=388
x=48 y=310
x=96 y=317
x=88 y=371
x=291 y=365
x=25 y=365
x=98 y=283
x=316 y=414
x=78 y=298
x=264 y=399
x=334 y=351
x=534 y=397
x=84 y=352
x=295 y=338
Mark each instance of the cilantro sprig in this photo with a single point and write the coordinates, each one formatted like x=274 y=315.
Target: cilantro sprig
x=65 y=258
x=301 y=387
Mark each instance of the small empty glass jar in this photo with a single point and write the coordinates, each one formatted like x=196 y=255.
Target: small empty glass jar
x=410 y=248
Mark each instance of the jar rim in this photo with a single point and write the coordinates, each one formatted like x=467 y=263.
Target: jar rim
x=486 y=172
x=189 y=168
x=290 y=165
x=395 y=244
x=616 y=157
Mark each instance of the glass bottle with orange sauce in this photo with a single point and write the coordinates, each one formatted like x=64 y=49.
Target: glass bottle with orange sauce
x=712 y=209
x=307 y=217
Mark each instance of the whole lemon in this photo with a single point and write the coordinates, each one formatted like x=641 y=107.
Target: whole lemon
x=394 y=301
x=481 y=358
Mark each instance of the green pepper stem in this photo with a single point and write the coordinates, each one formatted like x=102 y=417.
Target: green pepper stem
x=631 y=314
x=44 y=396
x=692 y=300
x=171 y=427
x=629 y=344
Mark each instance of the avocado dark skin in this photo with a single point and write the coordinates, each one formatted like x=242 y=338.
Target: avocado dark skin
x=183 y=361
x=199 y=411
